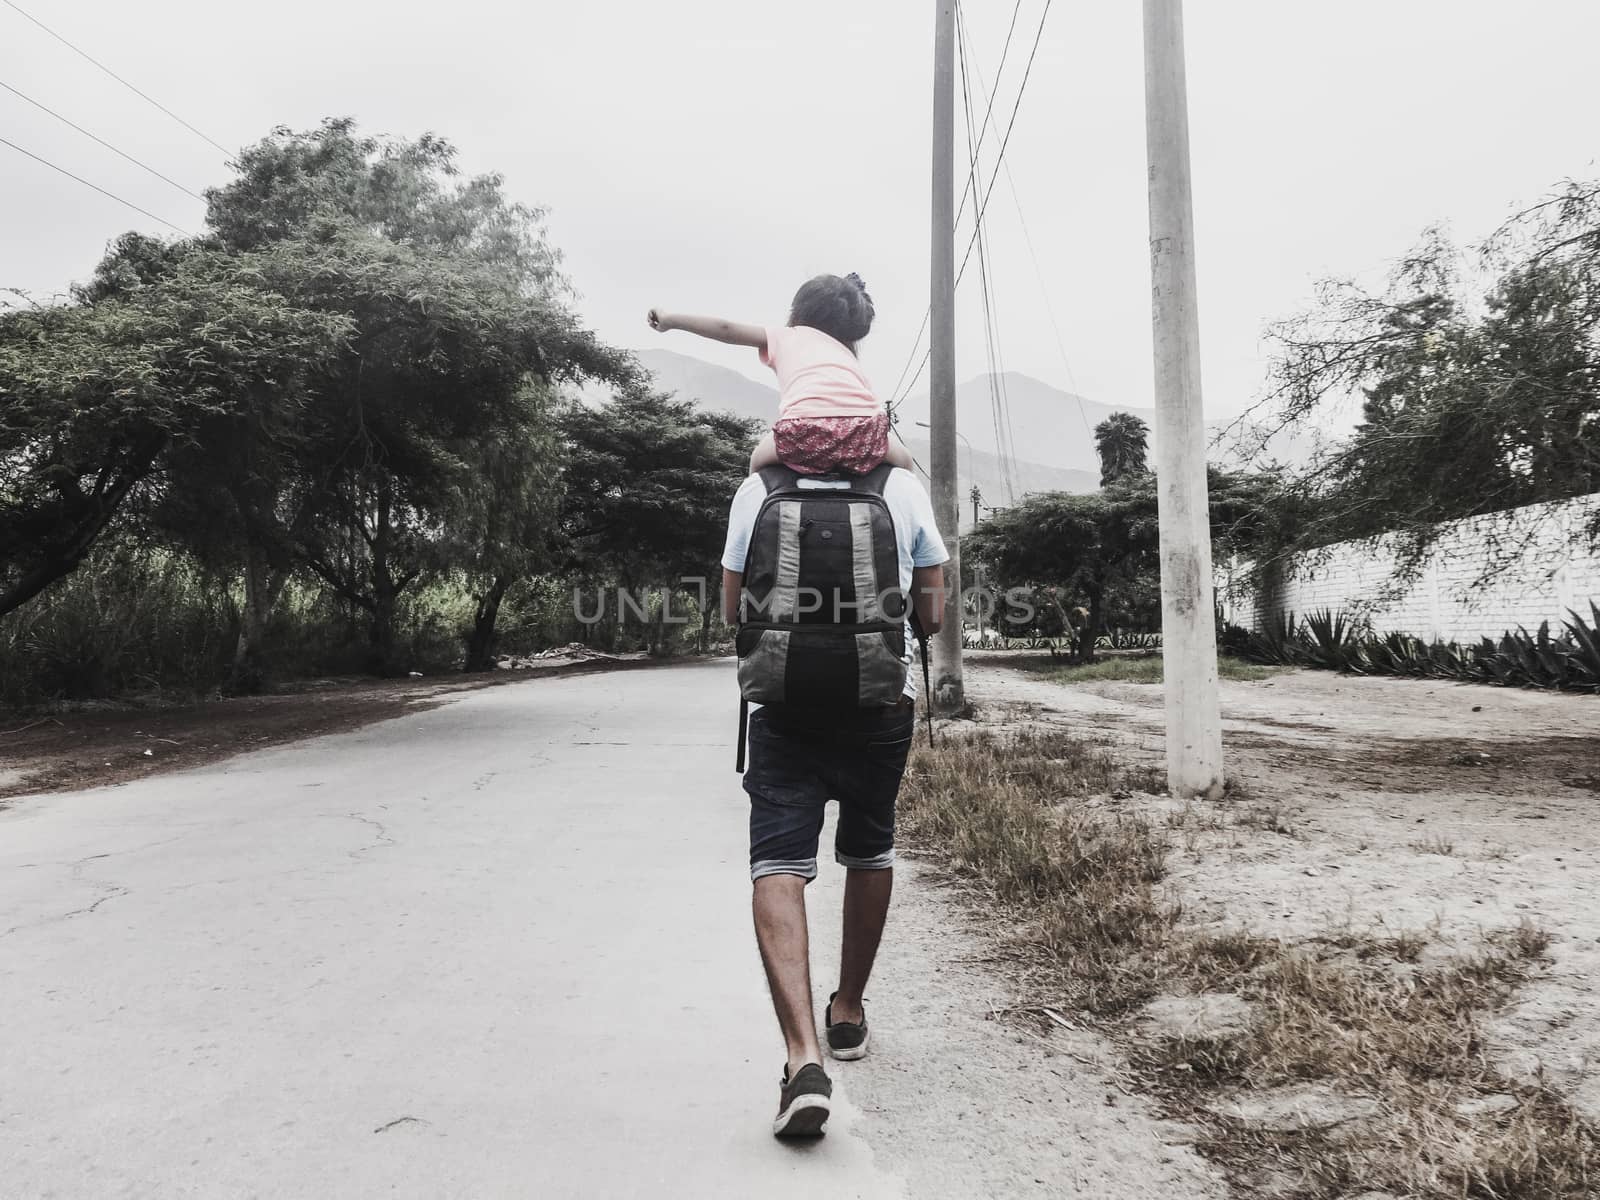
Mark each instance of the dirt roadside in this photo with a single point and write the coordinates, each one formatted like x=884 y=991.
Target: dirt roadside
x=1375 y=808
x=963 y=1103
x=117 y=743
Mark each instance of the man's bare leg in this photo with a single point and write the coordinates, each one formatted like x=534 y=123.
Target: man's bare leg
x=866 y=908
x=899 y=456
x=779 y=907
x=765 y=454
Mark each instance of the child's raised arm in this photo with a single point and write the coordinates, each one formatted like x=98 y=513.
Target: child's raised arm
x=714 y=328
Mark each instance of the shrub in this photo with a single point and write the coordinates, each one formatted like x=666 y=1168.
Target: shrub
x=1569 y=661
x=130 y=620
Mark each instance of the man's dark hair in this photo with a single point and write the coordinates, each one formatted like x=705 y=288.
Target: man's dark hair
x=838 y=306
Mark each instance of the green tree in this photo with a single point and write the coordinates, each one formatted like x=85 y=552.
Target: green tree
x=1251 y=512
x=648 y=483
x=440 y=360
x=457 y=305
x=407 y=191
x=504 y=512
x=1469 y=403
x=134 y=261
x=350 y=377
x=1122 y=441
x=1541 y=361
x=93 y=397
x=1092 y=546
x=1103 y=548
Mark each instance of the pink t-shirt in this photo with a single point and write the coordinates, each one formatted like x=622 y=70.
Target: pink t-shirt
x=817 y=375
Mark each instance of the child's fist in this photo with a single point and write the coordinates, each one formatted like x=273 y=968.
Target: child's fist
x=657 y=319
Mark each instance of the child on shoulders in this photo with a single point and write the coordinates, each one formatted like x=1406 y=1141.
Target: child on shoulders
x=829 y=418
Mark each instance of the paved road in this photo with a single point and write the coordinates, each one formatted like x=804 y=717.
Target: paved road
x=497 y=949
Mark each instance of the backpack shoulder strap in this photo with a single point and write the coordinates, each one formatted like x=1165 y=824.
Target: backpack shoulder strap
x=875 y=480
x=927 y=684
x=779 y=478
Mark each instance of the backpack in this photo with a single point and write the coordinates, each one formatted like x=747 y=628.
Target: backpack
x=822 y=617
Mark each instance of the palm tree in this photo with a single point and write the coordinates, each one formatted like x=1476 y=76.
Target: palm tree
x=1122 y=441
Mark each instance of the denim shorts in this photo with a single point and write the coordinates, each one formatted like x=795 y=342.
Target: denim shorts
x=799 y=761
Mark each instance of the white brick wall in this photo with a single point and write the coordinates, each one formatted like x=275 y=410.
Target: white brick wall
x=1550 y=568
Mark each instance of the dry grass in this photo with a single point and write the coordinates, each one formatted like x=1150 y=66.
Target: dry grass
x=1434 y=843
x=1136 y=668
x=1409 y=1041
x=1003 y=812
x=1408 y=946
x=1352 y=1014
x=1265 y=818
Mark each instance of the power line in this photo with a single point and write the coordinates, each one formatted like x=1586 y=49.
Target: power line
x=1038 y=271
x=983 y=132
x=911 y=386
x=1044 y=294
x=894 y=392
x=986 y=253
x=999 y=397
x=991 y=330
x=142 y=95
x=101 y=140
x=96 y=187
x=895 y=429
x=899 y=395
x=966 y=191
x=1006 y=140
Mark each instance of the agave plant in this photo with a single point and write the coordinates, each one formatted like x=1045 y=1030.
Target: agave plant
x=1278 y=641
x=1448 y=660
x=1585 y=653
x=1415 y=655
x=1569 y=661
x=1495 y=662
x=1538 y=660
x=1329 y=640
x=1392 y=654
x=1124 y=639
x=1234 y=639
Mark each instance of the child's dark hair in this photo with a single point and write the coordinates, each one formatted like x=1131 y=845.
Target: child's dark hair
x=839 y=307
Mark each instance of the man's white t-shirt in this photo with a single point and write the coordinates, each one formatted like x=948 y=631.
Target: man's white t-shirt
x=916 y=534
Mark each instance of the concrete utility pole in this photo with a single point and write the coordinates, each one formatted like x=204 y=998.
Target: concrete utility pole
x=948 y=688
x=1189 y=639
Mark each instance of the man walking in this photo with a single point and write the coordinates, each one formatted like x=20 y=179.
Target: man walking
x=805 y=750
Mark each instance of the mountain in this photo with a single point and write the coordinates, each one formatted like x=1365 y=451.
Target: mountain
x=1050 y=430
x=726 y=390
x=1047 y=425
x=983 y=468
x=1056 y=428
x=712 y=386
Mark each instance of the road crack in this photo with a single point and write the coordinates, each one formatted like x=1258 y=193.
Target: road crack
x=108 y=891
x=383 y=839
x=399 y=1121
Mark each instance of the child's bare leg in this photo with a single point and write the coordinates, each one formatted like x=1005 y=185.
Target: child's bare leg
x=899 y=456
x=766 y=454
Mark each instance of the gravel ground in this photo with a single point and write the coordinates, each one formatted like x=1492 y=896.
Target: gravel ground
x=1382 y=806
x=962 y=1105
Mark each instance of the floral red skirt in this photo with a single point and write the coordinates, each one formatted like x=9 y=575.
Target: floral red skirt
x=819 y=445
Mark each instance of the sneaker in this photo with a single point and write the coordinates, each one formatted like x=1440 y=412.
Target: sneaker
x=804 y=1103
x=847 y=1041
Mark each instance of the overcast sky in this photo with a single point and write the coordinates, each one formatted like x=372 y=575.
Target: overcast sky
x=710 y=155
